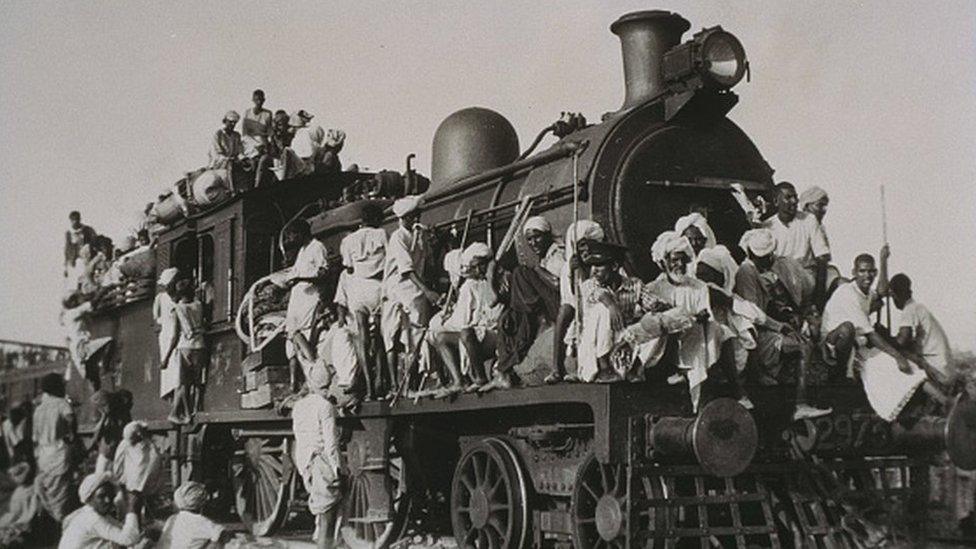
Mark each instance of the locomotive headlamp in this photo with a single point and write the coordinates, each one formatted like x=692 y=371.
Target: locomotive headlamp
x=713 y=58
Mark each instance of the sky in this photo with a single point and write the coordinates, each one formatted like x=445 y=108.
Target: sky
x=104 y=104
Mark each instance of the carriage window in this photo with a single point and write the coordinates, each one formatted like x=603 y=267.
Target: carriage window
x=185 y=256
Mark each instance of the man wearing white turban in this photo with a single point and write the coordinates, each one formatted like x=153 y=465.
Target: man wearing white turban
x=676 y=288
x=316 y=452
x=470 y=330
x=781 y=288
x=93 y=526
x=188 y=528
x=533 y=300
x=695 y=228
x=572 y=275
x=407 y=299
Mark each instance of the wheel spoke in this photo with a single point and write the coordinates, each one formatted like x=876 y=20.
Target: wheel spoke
x=586 y=520
x=494 y=487
x=603 y=478
x=467 y=482
x=479 y=474
x=590 y=490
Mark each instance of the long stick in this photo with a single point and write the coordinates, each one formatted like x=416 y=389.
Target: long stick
x=576 y=292
x=884 y=236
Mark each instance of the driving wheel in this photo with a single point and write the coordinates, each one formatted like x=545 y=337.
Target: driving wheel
x=599 y=505
x=489 y=498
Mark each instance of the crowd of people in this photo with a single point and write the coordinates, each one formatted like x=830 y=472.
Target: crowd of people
x=765 y=319
x=274 y=146
x=53 y=502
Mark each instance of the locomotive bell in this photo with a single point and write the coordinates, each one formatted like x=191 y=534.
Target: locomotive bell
x=469 y=142
x=644 y=37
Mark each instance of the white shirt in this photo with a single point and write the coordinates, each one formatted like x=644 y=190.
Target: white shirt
x=188 y=530
x=930 y=339
x=554 y=260
x=403 y=257
x=86 y=529
x=304 y=296
x=314 y=425
x=477 y=306
x=848 y=304
x=364 y=251
x=336 y=347
x=802 y=239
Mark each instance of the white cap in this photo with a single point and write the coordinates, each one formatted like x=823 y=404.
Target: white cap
x=168 y=275
x=406 y=205
x=536 y=223
x=760 y=242
x=475 y=251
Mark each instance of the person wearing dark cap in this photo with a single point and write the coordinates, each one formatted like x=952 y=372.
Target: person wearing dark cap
x=610 y=301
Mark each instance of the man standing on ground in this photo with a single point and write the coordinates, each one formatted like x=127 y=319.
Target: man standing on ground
x=53 y=434
x=317 y=452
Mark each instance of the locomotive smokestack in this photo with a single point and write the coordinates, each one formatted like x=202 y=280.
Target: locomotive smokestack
x=644 y=38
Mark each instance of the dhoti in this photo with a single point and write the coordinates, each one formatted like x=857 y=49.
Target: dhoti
x=888 y=388
x=53 y=479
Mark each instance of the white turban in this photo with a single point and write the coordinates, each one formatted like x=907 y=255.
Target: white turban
x=475 y=251
x=536 y=223
x=811 y=195
x=232 y=116
x=92 y=483
x=760 y=242
x=406 y=205
x=720 y=258
x=132 y=428
x=452 y=262
x=190 y=496
x=696 y=220
x=319 y=376
x=669 y=242
x=584 y=228
x=168 y=275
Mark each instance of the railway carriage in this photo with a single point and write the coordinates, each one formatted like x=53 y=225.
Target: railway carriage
x=583 y=465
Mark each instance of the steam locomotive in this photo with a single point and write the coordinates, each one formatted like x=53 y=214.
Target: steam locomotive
x=584 y=465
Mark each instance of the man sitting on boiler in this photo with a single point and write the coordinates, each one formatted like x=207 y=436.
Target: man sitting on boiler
x=799 y=235
x=533 y=299
x=889 y=378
